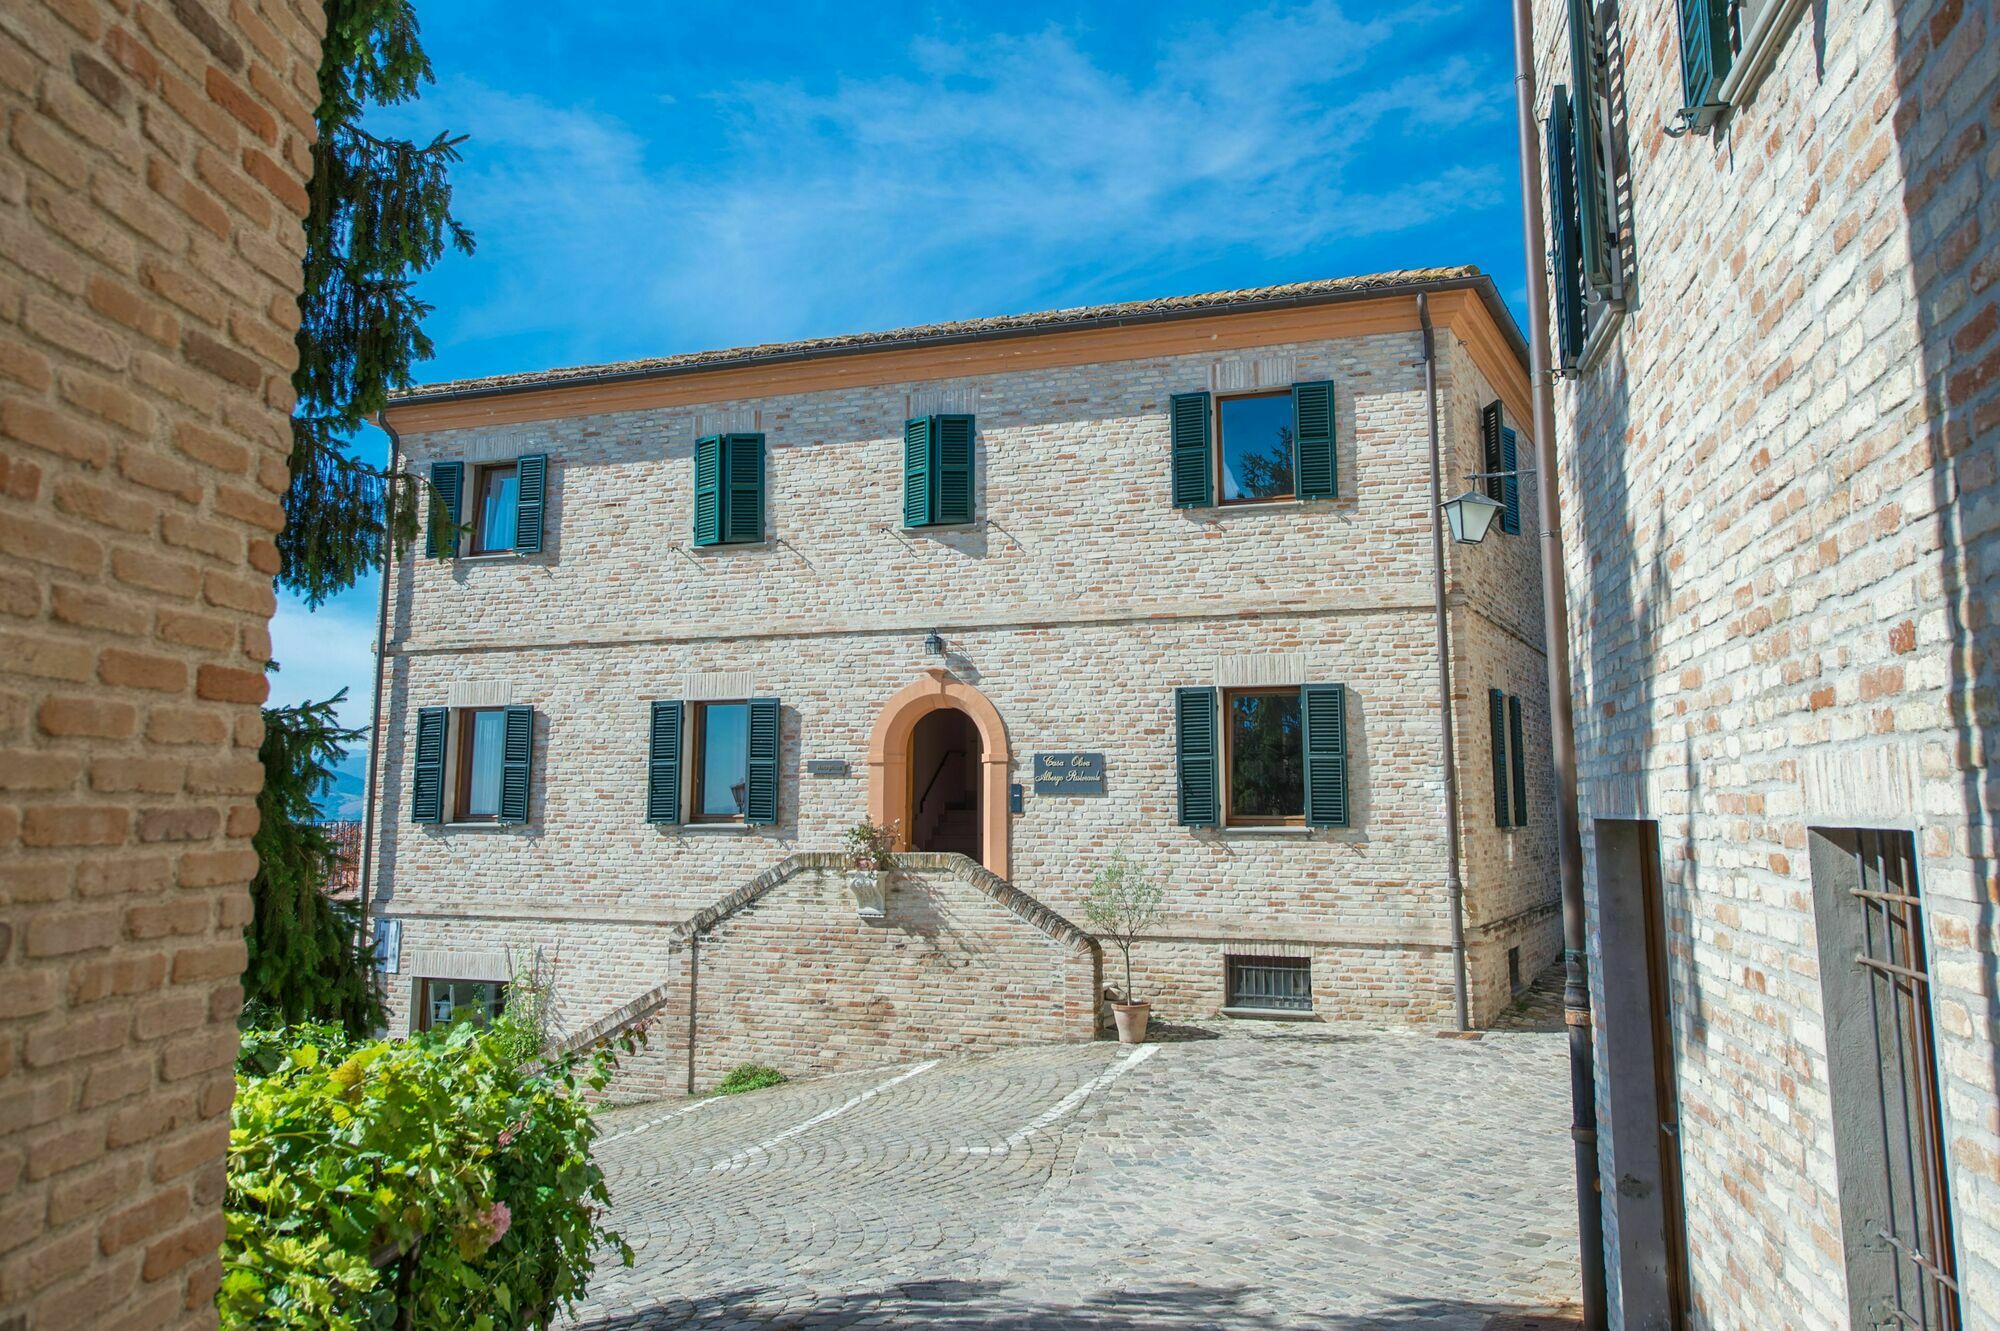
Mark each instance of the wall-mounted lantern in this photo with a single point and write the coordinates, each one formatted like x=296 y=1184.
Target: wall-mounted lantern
x=934 y=643
x=1470 y=516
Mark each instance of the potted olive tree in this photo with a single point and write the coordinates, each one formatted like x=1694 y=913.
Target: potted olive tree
x=868 y=851
x=1124 y=903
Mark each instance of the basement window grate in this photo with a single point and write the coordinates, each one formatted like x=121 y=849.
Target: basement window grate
x=1276 y=984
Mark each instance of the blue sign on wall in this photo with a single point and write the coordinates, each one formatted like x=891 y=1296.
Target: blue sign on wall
x=1069 y=774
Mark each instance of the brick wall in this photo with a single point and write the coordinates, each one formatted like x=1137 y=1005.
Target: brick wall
x=149 y=256
x=1778 y=485
x=1076 y=603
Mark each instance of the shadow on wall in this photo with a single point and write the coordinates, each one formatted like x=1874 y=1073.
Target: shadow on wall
x=1949 y=193
x=992 y=1305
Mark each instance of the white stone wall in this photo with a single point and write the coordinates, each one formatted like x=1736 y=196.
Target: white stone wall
x=1776 y=488
x=1076 y=603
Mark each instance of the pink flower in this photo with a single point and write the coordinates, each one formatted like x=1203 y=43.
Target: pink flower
x=498 y=1220
x=506 y=1136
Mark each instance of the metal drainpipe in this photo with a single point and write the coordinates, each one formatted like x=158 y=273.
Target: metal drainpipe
x=1562 y=732
x=375 y=722
x=1454 y=887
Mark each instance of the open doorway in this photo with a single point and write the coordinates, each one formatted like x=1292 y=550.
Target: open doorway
x=944 y=784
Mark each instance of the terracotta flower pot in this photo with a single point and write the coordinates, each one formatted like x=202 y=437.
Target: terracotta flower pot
x=1131 y=1019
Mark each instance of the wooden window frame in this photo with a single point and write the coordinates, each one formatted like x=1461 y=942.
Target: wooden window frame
x=1221 y=489
x=1226 y=777
x=698 y=747
x=462 y=717
x=424 y=996
x=482 y=477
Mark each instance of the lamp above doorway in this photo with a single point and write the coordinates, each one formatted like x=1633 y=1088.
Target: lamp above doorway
x=934 y=643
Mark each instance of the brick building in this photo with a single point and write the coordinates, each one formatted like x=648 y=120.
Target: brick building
x=149 y=260
x=1773 y=235
x=707 y=612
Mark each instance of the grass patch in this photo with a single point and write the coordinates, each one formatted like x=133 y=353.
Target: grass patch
x=748 y=1077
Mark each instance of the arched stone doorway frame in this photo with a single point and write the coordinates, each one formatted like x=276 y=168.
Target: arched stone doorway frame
x=889 y=773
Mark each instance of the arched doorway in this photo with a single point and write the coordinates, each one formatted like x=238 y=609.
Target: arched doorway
x=937 y=769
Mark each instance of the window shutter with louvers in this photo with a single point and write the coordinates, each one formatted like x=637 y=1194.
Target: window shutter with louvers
x=1312 y=432
x=1593 y=228
x=663 y=764
x=1496 y=717
x=1193 y=474
x=1196 y=741
x=517 y=752
x=760 y=798
x=1324 y=707
x=1705 y=55
x=743 y=488
x=427 y=765
x=1565 y=258
x=1489 y=451
x=531 y=476
x=917 y=472
x=448 y=490
x=1510 y=485
x=1518 y=761
x=951 y=468
x=708 y=490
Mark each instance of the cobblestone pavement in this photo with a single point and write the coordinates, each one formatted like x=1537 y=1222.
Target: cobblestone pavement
x=1253 y=1176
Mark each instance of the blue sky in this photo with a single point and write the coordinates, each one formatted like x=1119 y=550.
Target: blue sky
x=648 y=179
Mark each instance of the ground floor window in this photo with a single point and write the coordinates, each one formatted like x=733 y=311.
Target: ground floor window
x=1266 y=757
x=1276 y=984
x=441 y=1002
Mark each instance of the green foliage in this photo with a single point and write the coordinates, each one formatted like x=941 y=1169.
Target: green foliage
x=307 y=961
x=869 y=846
x=749 y=1077
x=379 y=215
x=1123 y=903
x=441 y=1181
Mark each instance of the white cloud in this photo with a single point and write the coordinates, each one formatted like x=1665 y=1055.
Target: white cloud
x=319 y=652
x=976 y=171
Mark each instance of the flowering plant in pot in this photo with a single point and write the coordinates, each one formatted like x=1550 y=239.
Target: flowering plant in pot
x=868 y=850
x=1124 y=903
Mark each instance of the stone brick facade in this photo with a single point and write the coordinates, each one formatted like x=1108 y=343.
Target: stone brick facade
x=1073 y=605
x=1778 y=485
x=149 y=261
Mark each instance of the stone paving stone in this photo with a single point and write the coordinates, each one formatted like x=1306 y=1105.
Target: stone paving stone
x=1247 y=1175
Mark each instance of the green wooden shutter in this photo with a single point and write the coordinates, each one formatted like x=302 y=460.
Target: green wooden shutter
x=1593 y=228
x=1197 y=741
x=743 y=488
x=448 y=490
x=1496 y=717
x=1518 y=759
x=427 y=767
x=531 y=476
x=1705 y=54
x=1193 y=469
x=1510 y=486
x=708 y=490
x=1312 y=432
x=760 y=796
x=1324 y=707
x=1565 y=257
x=1489 y=450
x=663 y=764
x=517 y=752
x=951 y=468
x=917 y=472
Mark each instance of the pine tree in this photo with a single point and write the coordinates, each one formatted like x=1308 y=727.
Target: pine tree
x=306 y=957
x=380 y=215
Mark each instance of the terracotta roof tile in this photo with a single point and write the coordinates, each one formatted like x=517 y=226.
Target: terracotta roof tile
x=960 y=330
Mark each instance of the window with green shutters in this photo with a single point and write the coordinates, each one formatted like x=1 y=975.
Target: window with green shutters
x=1565 y=234
x=1275 y=444
x=1510 y=763
x=729 y=489
x=1262 y=757
x=508 y=503
x=1510 y=485
x=1196 y=741
x=1705 y=56
x=713 y=762
x=1325 y=707
x=492 y=750
x=427 y=765
x=663 y=764
x=938 y=476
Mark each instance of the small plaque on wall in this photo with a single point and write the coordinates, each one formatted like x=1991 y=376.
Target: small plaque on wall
x=1069 y=774
x=826 y=766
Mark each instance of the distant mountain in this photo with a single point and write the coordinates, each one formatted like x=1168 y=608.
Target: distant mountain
x=345 y=795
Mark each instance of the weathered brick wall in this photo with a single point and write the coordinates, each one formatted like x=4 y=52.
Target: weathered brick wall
x=1076 y=604
x=1778 y=487
x=149 y=256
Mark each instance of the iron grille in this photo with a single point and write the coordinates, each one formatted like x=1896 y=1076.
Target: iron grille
x=1914 y=1220
x=1279 y=984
